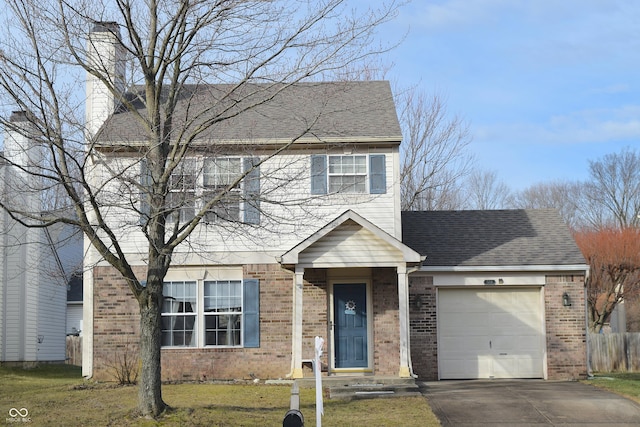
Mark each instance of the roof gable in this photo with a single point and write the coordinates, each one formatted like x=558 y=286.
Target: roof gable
x=490 y=238
x=350 y=240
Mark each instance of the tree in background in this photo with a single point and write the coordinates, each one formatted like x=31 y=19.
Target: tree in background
x=565 y=196
x=434 y=159
x=484 y=190
x=614 y=257
x=612 y=193
x=171 y=47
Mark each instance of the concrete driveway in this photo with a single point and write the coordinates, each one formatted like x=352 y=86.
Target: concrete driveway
x=527 y=403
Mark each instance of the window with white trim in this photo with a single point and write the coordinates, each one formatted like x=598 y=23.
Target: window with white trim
x=223 y=312
x=347 y=174
x=182 y=191
x=179 y=314
x=197 y=180
x=218 y=175
x=211 y=313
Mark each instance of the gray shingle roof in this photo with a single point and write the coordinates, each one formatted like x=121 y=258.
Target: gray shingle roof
x=332 y=110
x=490 y=238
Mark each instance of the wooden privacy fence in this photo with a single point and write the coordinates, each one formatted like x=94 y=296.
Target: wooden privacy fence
x=615 y=352
x=74 y=350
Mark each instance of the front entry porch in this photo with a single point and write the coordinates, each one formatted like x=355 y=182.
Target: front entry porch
x=351 y=288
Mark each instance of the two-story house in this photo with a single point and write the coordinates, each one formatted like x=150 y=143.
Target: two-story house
x=309 y=243
x=35 y=263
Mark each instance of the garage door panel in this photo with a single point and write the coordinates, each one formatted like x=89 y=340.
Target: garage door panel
x=455 y=346
x=466 y=368
x=490 y=333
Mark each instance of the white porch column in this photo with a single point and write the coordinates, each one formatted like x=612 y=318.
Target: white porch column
x=296 y=336
x=403 y=315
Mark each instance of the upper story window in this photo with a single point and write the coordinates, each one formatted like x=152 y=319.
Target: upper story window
x=218 y=175
x=197 y=181
x=182 y=191
x=348 y=174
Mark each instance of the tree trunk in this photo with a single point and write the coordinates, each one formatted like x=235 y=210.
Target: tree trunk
x=150 y=388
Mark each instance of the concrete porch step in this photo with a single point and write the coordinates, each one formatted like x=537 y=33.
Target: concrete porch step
x=349 y=388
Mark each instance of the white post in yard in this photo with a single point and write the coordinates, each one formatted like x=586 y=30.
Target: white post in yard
x=318 y=374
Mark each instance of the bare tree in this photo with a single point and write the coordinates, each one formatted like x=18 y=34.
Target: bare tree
x=612 y=193
x=258 y=49
x=485 y=191
x=565 y=196
x=434 y=158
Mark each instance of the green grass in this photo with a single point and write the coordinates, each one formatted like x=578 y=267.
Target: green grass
x=626 y=384
x=57 y=395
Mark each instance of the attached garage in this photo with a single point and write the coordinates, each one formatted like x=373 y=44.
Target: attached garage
x=490 y=333
x=500 y=294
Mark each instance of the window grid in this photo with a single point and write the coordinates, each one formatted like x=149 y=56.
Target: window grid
x=182 y=191
x=179 y=314
x=218 y=174
x=347 y=174
x=223 y=313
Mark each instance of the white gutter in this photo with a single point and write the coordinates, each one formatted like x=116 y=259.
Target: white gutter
x=482 y=268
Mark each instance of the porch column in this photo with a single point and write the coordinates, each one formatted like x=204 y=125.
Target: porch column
x=296 y=336
x=403 y=315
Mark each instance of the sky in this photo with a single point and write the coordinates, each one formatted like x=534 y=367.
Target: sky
x=545 y=85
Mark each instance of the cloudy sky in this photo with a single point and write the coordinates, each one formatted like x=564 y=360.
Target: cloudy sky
x=546 y=85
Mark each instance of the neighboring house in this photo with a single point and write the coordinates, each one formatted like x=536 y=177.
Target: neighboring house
x=74 y=305
x=33 y=265
x=320 y=253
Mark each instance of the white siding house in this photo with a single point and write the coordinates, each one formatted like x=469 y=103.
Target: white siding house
x=32 y=277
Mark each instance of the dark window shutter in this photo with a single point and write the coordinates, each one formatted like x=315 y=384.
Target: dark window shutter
x=145 y=183
x=318 y=174
x=377 y=174
x=252 y=192
x=251 y=311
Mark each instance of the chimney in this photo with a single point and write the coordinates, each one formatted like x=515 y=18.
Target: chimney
x=25 y=157
x=105 y=54
x=20 y=148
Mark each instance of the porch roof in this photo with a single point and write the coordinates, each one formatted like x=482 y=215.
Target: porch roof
x=350 y=241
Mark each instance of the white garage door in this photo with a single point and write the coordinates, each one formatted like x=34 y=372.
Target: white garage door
x=490 y=333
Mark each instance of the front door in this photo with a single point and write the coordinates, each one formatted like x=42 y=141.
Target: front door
x=350 y=325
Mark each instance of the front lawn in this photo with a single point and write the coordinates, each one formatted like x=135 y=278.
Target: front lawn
x=626 y=384
x=56 y=395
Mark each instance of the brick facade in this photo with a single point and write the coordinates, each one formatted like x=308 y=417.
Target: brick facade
x=116 y=328
x=566 y=327
x=423 y=326
x=114 y=305
x=386 y=325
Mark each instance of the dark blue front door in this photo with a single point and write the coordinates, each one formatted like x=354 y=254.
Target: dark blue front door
x=350 y=325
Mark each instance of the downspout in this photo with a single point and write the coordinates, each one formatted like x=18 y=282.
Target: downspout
x=409 y=271
x=586 y=318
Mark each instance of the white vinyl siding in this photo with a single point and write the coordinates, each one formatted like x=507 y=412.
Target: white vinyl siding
x=284 y=185
x=34 y=302
x=350 y=244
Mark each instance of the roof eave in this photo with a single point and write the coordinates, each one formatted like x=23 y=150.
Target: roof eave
x=482 y=268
